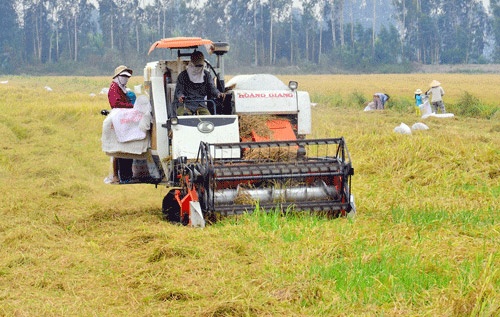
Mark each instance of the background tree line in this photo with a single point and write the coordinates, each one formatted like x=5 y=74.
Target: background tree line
x=83 y=37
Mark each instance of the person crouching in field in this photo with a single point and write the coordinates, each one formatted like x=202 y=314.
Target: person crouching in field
x=380 y=99
x=437 y=93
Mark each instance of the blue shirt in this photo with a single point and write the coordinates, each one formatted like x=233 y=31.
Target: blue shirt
x=418 y=100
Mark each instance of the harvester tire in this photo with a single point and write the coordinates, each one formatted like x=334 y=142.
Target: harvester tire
x=170 y=208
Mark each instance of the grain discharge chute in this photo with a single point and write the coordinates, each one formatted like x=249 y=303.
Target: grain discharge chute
x=252 y=151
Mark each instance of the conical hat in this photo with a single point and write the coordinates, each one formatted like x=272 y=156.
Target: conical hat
x=435 y=83
x=418 y=91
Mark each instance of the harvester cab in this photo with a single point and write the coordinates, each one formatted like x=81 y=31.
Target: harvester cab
x=252 y=150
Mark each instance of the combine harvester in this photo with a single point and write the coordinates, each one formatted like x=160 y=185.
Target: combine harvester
x=213 y=168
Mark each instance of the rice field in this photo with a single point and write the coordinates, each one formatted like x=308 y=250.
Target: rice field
x=425 y=240
x=401 y=86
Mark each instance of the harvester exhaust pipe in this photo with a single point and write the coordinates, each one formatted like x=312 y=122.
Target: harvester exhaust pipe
x=219 y=49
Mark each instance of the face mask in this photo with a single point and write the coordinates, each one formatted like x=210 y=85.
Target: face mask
x=123 y=80
x=198 y=69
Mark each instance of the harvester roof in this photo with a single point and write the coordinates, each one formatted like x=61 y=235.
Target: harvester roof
x=179 y=43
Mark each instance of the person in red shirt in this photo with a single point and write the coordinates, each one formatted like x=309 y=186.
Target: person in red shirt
x=117 y=96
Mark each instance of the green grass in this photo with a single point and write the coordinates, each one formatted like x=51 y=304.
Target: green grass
x=425 y=240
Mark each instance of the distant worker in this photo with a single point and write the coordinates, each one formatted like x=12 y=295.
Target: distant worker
x=380 y=99
x=437 y=93
x=418 y=101
x=119 y=97
x=195 y=83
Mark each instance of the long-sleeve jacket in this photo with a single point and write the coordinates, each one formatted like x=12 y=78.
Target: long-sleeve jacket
x=194 y=91
x=117 y=98
x=437 y=93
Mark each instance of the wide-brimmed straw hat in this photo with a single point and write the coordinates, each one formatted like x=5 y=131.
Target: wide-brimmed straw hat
x=123 y=71
x=435 y=83
x=418 y=91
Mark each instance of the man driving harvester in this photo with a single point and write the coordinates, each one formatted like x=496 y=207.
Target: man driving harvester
x=193 y=85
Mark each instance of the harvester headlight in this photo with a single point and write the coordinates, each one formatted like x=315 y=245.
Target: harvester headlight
x=206 y=126
x=293 y=85
x=174 y=121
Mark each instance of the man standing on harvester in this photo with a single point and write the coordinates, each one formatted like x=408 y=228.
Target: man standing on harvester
x=193 y=85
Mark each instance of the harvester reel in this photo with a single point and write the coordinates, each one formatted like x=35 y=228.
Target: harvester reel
x=318 y=183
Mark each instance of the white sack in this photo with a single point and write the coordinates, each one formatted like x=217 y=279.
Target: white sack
x=419 y=126
x=370 y=107
x=425 y=109
x=403 y=129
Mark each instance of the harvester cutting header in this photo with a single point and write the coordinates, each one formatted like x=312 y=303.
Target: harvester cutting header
x=249 y=149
